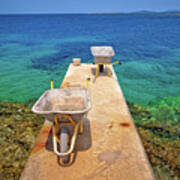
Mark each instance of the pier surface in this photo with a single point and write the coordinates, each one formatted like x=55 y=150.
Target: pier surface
x=109 y=148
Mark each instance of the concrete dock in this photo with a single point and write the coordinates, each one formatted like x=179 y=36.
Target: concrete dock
x=109 y=148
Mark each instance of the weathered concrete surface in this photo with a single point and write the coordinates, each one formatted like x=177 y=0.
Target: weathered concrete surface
x=110 y=147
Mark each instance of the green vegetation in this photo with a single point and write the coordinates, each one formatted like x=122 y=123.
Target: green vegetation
x=158 y=125
x=18 y=130
x=159 y=128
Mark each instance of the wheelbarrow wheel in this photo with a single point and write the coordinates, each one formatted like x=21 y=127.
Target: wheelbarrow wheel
x=64 y=139
x=101 y=68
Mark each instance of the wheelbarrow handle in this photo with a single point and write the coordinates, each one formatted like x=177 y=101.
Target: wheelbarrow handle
x=87 y=82
x=116 y=62
x=52 y=84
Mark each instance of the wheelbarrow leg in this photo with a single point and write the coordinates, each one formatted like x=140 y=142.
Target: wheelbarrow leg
x=63 y=137
x=81 y=127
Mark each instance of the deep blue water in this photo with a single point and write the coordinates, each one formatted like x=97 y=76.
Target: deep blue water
x=37 y=48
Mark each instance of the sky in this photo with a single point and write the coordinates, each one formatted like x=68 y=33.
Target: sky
x=85 y=6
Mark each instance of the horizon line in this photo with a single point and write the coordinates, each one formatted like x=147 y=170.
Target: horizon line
x=56 y=13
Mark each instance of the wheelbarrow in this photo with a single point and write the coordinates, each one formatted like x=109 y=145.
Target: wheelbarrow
x=103 y=56
x=66 y=108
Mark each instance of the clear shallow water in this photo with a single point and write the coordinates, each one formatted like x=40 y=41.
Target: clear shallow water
x=37 y=48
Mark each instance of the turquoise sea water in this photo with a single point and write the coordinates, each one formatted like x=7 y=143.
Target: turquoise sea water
x=37 y=48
